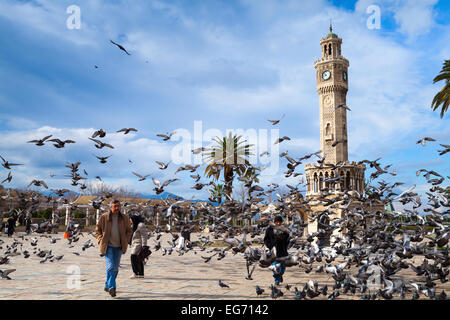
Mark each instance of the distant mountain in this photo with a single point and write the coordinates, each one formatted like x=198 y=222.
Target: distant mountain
x=166 y=195
x=162 y=196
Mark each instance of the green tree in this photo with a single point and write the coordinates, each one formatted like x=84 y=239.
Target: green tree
x=217 y=192
x=443 y=96
x=229 y=155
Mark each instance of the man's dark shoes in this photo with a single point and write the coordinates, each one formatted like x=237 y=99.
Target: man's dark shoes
x=112 y=292
x=106 y=289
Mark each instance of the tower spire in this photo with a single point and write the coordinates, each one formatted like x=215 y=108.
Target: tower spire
x=331 y=27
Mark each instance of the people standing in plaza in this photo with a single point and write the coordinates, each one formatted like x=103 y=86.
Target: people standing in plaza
x=138 y=241
x=28 y=224
x=185 y=235
x=323 y=226
x=2 y=222
x=113 y=232
x=11 y=223
x=278 y=236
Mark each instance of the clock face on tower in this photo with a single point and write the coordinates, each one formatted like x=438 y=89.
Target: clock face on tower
x=326 y=75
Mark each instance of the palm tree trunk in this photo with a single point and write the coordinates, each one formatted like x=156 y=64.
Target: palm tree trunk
x=228 y=177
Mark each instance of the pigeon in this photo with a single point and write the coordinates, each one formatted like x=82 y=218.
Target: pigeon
x=101 y=145
x=40 y=142
x=274 y=122
x=59 y=143
x=259 y=291
x=38 y=183
x=442 y=152
x=120 y=47
x=343 y=106
x=102 y=159
x=166 y=137
x=282 y=139
x=60 y=192
x=8 y=178
x=141 y=178
x=160 y=188
x=275 y=292
x=7 y=165
x=223 y=285
x=423 y=141
x=4 y=274
x=127 y=130
x=163 y=166
x=99 y=133
x=337 y=142
x=199 y=150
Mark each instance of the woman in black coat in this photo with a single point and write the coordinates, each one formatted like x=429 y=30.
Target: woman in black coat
x=278 y=236
x=28 y=225
x=11 y=225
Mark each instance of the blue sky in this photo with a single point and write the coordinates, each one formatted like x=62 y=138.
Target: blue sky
x=229 y=64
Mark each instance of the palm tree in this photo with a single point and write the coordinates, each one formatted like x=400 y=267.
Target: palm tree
x=230 y=154
x=217 y=192
x=443 y=96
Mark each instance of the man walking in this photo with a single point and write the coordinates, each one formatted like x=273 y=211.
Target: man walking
x=113 y=232
x=278 y=236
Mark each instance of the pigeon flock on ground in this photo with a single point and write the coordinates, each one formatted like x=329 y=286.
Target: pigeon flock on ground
x=368 y=245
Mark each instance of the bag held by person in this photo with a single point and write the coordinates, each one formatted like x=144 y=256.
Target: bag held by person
x=144 y=253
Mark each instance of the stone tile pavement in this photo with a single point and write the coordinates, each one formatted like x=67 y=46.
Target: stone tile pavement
x=169 y=277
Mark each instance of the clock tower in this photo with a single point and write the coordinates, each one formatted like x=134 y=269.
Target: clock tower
x=332 y=87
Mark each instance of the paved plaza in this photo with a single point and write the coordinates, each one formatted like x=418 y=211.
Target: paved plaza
x=171 y=277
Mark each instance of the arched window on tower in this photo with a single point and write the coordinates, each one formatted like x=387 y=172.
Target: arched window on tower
x=315 y=183
x=344 y=130
x=333 y=185
x=321 y=184
x=329 y=49
x=328 y=129
x=347 y=181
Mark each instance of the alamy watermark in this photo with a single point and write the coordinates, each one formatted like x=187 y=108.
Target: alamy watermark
x=74 y=279
x=74 y=20
x=374 y=20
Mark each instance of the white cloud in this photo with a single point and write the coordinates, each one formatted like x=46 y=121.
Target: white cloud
x=48 y=17
x=260 y=65
x=414 y=18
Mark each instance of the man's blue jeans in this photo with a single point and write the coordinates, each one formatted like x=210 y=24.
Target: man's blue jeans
x=112 y=258
x=278 y=276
